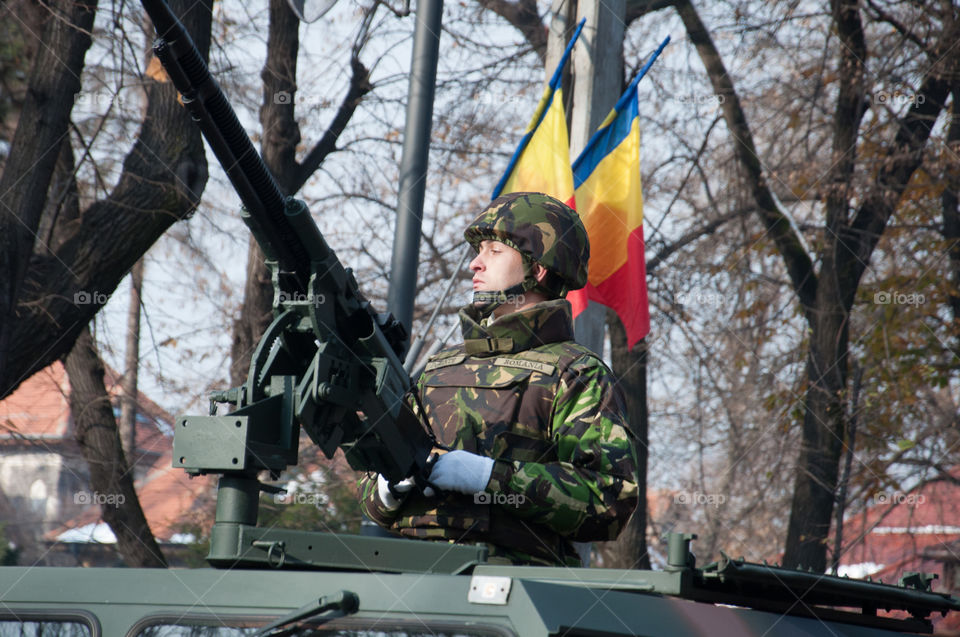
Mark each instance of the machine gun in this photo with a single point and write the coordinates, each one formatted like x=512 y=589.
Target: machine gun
x=327 y=362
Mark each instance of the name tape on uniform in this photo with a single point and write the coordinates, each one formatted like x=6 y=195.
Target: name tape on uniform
x=444 y=362
x=544 y=368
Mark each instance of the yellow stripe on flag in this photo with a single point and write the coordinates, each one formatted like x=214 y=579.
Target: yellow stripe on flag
x=544 y=165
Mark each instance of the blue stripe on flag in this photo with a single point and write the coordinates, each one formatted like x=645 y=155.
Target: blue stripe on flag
x=604 y=141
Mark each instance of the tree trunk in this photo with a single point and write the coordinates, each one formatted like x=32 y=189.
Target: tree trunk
x=43 y=122
x=824 y=419
x=255 y=313
x=950 y=205
x=20 y=21
x=849 y=445
x=822 y=434
x=280 y=138
x=128 y=405
x=110 y=476
x=630 y=366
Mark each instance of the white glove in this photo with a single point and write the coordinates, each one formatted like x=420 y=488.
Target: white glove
x=461 y=471
x=391 y=502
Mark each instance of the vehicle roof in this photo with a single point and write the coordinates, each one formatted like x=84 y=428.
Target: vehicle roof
x=540 y=601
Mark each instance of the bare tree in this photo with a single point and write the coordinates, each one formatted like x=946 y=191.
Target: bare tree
x=60 y=263
x=856 y=211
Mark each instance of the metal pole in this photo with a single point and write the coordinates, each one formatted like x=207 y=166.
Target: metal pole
x=598 y=81
x=414 y=352
x=413 y=165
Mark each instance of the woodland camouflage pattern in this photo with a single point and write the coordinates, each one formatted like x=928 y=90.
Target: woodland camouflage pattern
x=549 y=411
x=540 y=227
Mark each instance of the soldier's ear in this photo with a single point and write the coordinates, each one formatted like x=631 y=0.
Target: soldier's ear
x=539 y=272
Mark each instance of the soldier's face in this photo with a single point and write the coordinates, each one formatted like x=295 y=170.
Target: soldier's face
x=497 y=266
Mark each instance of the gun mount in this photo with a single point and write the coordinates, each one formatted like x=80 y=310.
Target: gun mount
x=328 y=362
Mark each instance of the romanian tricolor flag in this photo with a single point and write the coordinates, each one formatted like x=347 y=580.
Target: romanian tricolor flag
x=541 y=162
x=606 y=179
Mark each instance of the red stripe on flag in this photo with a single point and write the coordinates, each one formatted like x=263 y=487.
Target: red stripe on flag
x=625 y=291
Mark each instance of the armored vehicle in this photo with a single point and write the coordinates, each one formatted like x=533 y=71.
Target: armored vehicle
x=322 y=584
x=331 y=365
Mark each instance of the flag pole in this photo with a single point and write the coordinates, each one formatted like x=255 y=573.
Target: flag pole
x=627 y=95
x=542 y=109
x=646 y=67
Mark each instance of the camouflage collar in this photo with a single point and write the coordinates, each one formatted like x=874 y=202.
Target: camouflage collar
x=547 y=322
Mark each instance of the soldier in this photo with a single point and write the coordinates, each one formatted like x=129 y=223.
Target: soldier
x=539 y=450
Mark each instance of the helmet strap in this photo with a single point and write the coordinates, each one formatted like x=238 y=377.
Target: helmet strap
x=488 y=300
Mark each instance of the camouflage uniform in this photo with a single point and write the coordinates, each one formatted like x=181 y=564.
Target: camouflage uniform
x=519 y=390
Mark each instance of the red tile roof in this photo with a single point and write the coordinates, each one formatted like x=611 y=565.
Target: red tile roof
x=895 y=531
x=39 y=413
x=39 y=410
x=172 y=502
x=39 y=407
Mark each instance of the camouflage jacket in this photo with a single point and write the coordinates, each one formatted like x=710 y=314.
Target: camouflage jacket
x=549 y=411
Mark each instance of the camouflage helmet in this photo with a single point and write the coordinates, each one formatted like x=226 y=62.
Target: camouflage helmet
x=543 y=229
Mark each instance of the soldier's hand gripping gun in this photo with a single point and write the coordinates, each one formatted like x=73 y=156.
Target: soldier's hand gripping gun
x=328 y=361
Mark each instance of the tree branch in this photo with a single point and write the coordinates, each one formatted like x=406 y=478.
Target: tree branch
x=689 y=237
x=524 y=16
x=638 y=8
x=899 y=27
x=950 y=207
x=162 y=179
x=359 y=86
x=901 y=161
x=798 y=262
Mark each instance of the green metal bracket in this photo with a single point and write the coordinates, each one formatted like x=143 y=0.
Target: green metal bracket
x=246 y=545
